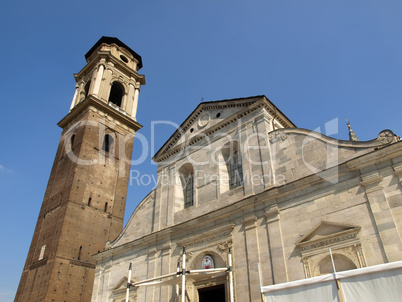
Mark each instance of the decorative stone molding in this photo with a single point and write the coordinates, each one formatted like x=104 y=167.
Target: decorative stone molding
x=341 y=239
x=386 y=137
x=275 y=136
x=250 y=221
x=225 y=246
x=332 y=240
x=398 y=170
x=272 y=214
x=209 y=236
x=372 y=182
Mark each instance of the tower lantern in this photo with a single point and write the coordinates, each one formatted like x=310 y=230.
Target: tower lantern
x=111 y=76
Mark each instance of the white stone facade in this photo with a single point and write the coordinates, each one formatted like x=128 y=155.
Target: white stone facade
x=301 y=194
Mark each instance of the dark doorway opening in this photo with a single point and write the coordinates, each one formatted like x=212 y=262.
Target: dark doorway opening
x=212 y=294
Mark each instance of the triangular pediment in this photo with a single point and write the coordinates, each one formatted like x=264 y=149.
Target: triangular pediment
x=326 y=230
x=211 y=116
x=122 y=284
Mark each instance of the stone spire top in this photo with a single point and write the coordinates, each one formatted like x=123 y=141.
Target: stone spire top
x=352 y=135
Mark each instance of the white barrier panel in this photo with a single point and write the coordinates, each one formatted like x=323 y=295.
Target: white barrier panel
x=371 y=284
x=322 y=288
x=323 y=292
x=374 y=285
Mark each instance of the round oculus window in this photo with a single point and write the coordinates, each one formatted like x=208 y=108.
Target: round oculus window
x=124 y=59
x=204 y=120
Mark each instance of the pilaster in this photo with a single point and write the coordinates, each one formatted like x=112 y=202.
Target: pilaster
x=252 y=256
x=276 y=247
x=382 y=215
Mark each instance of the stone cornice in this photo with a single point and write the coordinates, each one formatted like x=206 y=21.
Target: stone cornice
x=371 y=180
x=398 y=169
x=171 y=149
x=213 y=235
x=100 y=105
x=250 y=105
x=104 y=57
x=343 y=238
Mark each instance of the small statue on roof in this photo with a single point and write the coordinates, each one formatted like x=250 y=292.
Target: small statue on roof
x=352 y=135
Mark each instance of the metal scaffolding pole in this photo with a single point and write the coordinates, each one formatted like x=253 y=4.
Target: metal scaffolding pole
x=230 y=276
x=128 y=282
x=183 y=281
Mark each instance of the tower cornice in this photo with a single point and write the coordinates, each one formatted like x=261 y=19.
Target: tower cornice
x=101 y=105
x=130 y=73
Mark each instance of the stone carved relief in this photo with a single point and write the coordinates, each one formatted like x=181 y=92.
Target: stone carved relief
x=386 y=137
x=224 y=246
x=189 y=255
x=275 y=136
x=191 y=291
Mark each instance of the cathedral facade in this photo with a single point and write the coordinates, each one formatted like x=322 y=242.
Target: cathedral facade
x=239 y=176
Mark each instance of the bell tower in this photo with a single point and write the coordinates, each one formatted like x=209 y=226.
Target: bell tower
x=85 y=199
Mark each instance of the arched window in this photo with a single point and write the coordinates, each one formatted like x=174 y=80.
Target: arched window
x=232 y=157
x=105 y=209
x=116 y=94
x=341 y=263
x=107 y=143
x=187 y=181
x=87 y=85
x=72 y=141
x=79 y=253
x=189 y=191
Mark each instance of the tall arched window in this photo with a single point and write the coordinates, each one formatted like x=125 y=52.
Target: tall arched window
x=116 y=94
x=87 y=88
x=232 y=156
x=79 y=253
x=341 y=263
x=72 y=141
x=107 y=143
x=187 y=181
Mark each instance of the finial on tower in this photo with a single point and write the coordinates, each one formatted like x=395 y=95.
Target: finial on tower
x=352 y=135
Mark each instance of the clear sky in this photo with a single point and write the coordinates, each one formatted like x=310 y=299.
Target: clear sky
x=315 y=60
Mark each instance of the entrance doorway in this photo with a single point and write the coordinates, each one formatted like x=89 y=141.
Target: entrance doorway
x=212 y=294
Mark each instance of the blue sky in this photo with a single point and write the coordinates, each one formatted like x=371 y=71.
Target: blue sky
x=316 y=60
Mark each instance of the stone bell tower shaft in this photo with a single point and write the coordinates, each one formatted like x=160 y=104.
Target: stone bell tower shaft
x=85 y=199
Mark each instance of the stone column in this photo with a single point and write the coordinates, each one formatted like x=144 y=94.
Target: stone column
x=276 y=247
x=74 y=98
x=130 y=97
x=135 y=102
x=105 y=89
x=98 y=80
x=383 y=219
x=124 y=101
x=81 y=91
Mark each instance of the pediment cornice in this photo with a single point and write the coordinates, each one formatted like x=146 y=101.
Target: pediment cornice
x=248 y=105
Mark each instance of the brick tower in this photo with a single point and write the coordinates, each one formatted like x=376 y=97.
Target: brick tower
x=85 y=199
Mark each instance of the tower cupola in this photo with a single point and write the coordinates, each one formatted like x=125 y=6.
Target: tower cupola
x=111 y=76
